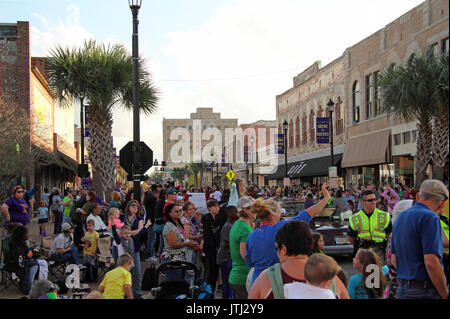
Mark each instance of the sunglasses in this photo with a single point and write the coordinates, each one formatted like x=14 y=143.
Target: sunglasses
x=370 y=200
x=134 y=205
x=19 y=192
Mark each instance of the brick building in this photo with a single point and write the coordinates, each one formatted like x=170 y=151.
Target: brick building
x=23 y=82
x=300 y=106
x=370 y=147
x=392 y=160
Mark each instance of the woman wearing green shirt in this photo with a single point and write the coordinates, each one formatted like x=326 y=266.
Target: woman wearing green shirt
x=238 y=238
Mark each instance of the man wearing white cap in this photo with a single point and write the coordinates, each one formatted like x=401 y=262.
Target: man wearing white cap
x=63 y=248
x=417 y=245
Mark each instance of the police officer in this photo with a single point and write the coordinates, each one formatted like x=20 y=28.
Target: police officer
x=370 y=227
x=444 y=226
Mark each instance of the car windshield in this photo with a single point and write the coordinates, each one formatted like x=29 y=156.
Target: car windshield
x=292 y=207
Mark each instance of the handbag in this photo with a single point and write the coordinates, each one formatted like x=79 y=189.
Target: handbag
x=159 y=224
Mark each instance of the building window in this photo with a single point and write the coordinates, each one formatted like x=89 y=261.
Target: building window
x=291 y=135
x=311 y=127
x=434 y=48
x=304 y=131
x=368 y=97
x=406 y=138
x=397 y=139
x=356 y=101
x=339 y=117
x=190 y=127
x=376 y=84
x=414 y=136
x=445 y=46
x=168 y=127
x=297 y=132
x=218 y=127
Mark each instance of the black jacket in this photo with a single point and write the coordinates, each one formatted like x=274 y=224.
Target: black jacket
x=150 y=206
x=211 y=234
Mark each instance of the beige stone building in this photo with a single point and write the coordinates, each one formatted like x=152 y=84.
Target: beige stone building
x=199 y=121
x=380 y=148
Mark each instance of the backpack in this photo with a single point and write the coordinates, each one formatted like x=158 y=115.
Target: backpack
x=149 y=279
x=276 y=281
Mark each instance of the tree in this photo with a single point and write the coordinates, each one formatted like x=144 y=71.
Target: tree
x=18 y=156
x=441 y=136
x=103 y=76
x=195 y=169
x=178 y=174
x=157 y=177
x=410 y=91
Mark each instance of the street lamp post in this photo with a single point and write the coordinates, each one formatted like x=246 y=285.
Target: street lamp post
x=252 y=140
x=330 y=105
x=135 y=5
x=285 y=128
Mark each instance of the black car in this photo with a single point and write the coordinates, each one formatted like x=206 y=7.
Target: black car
x=332 y=228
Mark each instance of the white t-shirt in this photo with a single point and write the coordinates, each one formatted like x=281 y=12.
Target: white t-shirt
x=301 y=290
x=99 y=224
x=61 y=241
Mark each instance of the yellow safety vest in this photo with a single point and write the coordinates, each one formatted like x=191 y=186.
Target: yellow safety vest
x=370 y=228
x=445 y=229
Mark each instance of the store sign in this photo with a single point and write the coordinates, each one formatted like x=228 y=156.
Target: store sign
x=323 y=130
x=280 y=143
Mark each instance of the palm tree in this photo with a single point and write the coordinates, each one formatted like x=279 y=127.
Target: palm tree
x=410 y=92
x=441 y=136
x=103 y=76
x=195 y=169
x=178 y=174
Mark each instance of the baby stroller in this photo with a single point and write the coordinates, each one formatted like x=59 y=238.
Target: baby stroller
x=178 y=288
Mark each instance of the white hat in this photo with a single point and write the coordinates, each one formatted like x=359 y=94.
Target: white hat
x=66 y=226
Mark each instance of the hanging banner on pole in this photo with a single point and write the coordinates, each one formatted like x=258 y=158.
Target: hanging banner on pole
x=323 y=130
x=280 y=143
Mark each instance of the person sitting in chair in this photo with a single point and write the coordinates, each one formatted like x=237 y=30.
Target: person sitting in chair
x=63 y=248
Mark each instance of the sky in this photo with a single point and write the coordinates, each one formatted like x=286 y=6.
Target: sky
x=235 y=56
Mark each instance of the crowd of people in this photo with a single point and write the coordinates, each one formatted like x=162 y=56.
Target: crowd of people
x=242 y=246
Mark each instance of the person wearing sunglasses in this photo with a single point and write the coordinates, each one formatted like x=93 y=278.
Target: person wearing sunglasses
x=370 y=227
x=15 y=208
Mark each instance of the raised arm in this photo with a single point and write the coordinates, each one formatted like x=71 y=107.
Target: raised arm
x=316 y=209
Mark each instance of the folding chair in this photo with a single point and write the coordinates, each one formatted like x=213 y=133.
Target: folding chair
x=105 y=259
x=56 y=268
x=8 y=278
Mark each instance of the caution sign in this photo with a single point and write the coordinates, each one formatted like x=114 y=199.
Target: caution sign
x=230 y=176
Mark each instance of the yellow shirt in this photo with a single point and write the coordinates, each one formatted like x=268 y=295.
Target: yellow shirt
x=114 y=283
x=93 y=238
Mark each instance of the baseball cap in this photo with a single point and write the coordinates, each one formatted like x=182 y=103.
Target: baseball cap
x=172 y=191
x=434 y=187
x=244 y=202
x=66 y=226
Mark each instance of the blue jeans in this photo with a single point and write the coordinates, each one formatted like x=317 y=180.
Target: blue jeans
x=407 y=291
x=67 y=219
x=58 y=221
x=150 y=245
x=225 y=269
x=136 y=276
x=71 y=255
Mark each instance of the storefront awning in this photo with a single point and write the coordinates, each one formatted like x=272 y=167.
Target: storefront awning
x=308 y=168
x=67 y=162
x=367 y=150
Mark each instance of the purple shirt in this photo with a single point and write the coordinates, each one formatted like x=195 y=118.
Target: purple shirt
x=17 y=210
